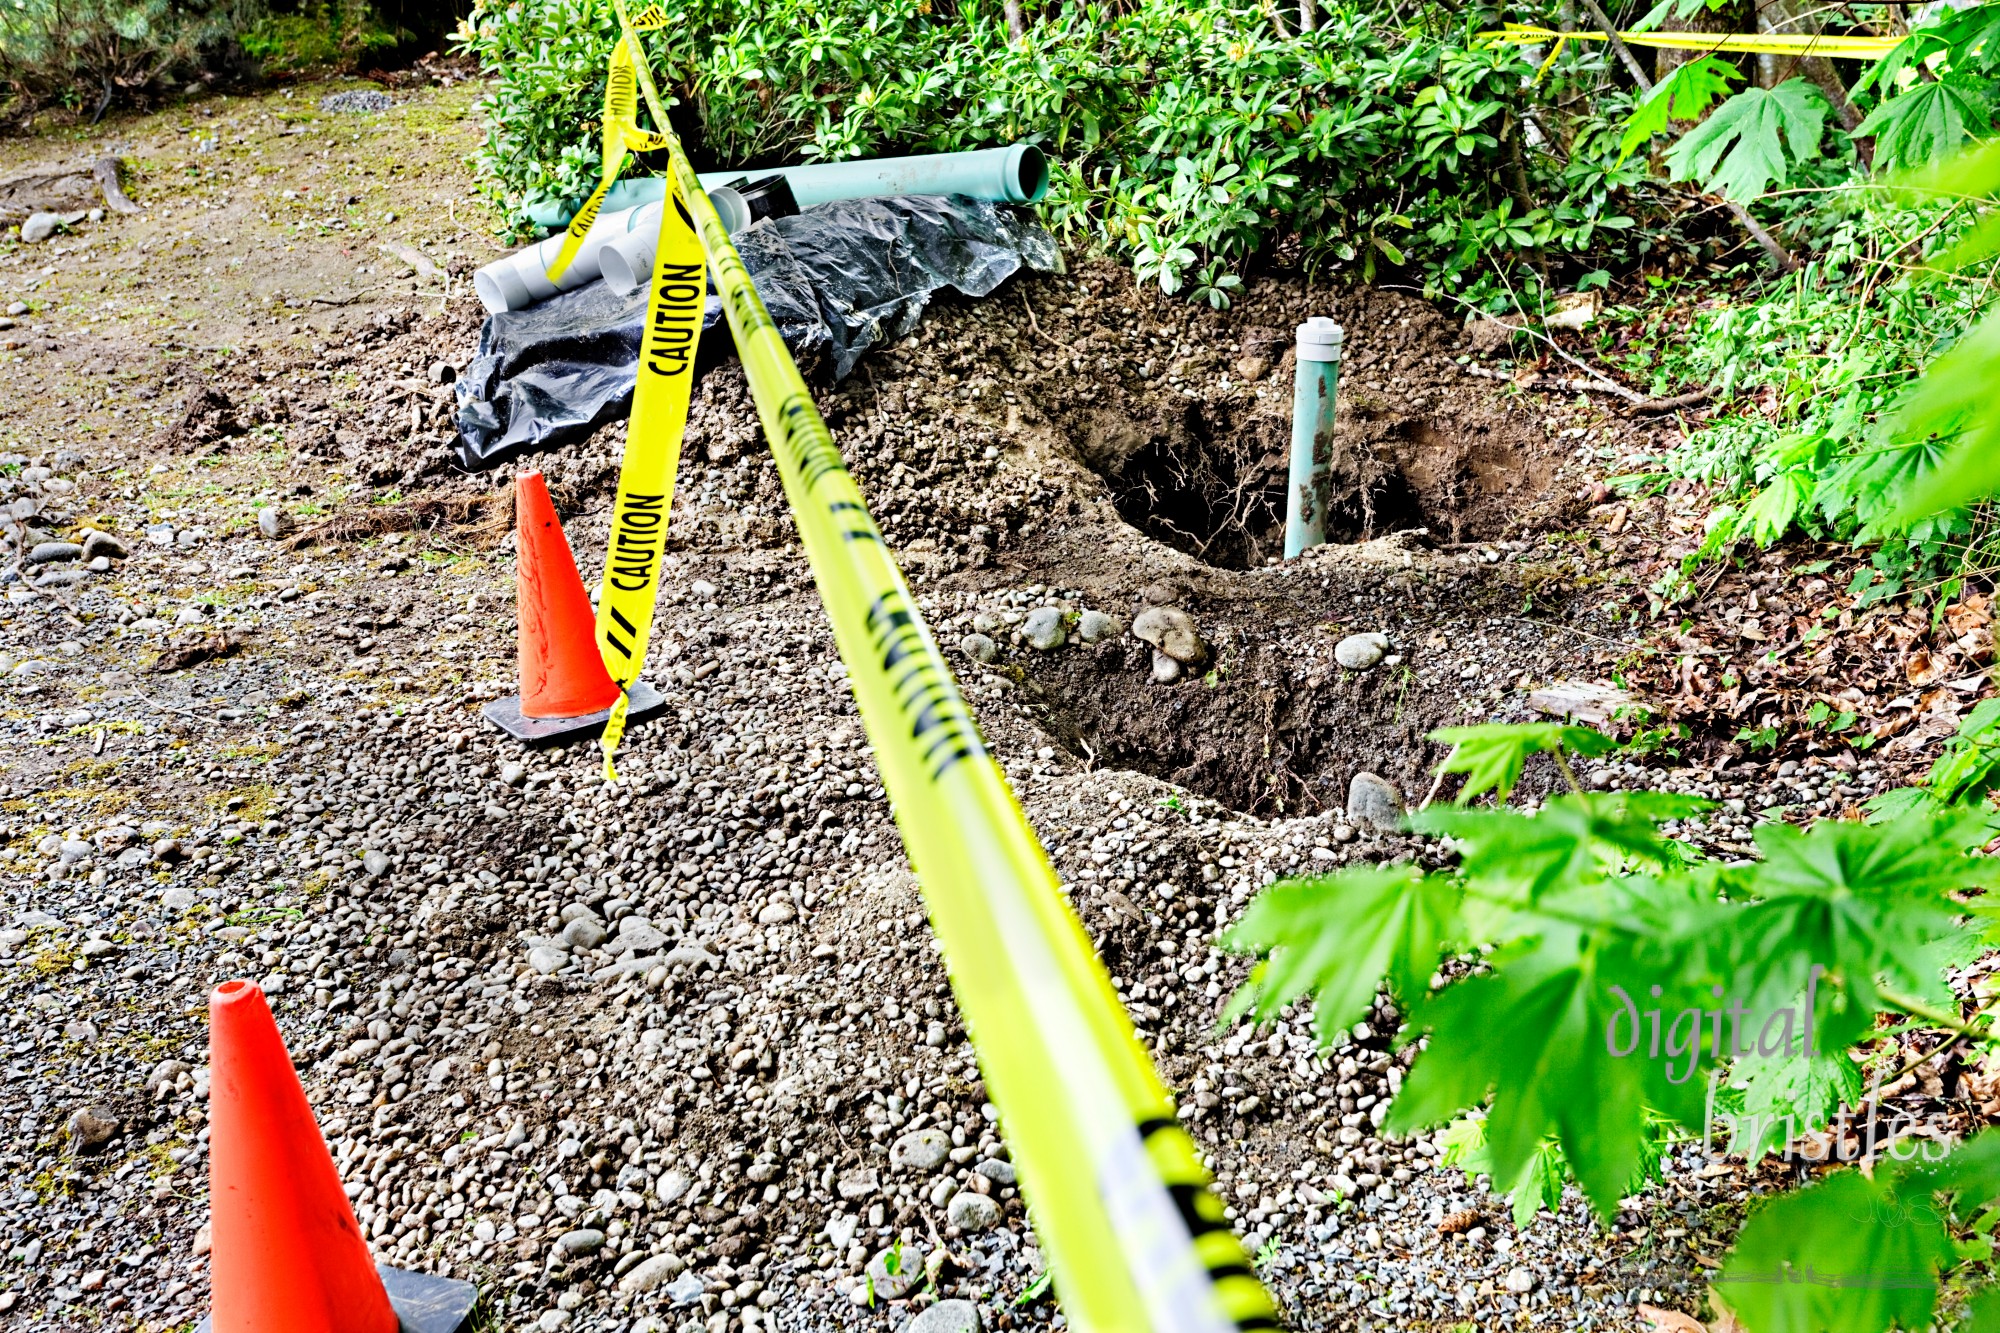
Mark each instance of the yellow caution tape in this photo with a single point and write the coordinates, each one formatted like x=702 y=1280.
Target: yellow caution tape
x=1761 y=43
x=652 y=458
x=622 y=135
x=1136 y=1240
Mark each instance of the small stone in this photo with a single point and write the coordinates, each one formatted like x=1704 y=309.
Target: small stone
x=650 y=1273
x=513 y=774
x=553 y=1321
x=671 y=1185
x=979 y=648
x=920 y=1150
x=1165 y=669
x=103 y=544
x=584 y=933
x=584 y=1240
x=273 y=522
x=1043 y=629
x=546 y=960
x=39 y=227
x=443 y=372
x=997 y=1171
x=972 y=1212
x=1519 y=1281
x=1092 y=626
x=1359 y=652
x=859 y=1184
x=641 y=936
x=1157 y=594
x=946 y=1317
x=374 y=864
x=1252 y=368
x=90 y=1129
x=50 y=553
x=1373 y=802
x=1171 y=631
x=777 y=912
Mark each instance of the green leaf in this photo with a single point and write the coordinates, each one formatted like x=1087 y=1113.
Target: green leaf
x=1534 y=1036
x=1491 y=755
x=1847 y=1254
x=1769 y=515
x=1752 y=140
x=1860 y=903
x=1921 y=126
x=1338 y=936
x=1683 y=95
x=1969 y=766
x=1954 y=405
x=1569 y=840
x=1788 y=1095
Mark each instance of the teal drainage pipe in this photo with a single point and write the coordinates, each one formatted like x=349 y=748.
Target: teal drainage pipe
x=1314 y=386
x=1016 y=175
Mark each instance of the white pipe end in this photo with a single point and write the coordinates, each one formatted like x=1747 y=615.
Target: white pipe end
x=1319 y=339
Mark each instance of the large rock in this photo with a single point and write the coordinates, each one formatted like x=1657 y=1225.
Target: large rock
x=969 y=1211
x=1373 y=802
x=1172 y=631
x=49 y=553
x=1359 y=652
x=1043 y=629
x=90 y=1129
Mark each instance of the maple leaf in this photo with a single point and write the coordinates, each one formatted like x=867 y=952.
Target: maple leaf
x=1752 y=140
x=1920 y=126
x=1339 y=936
x=1491 y=755
x=1683 y=95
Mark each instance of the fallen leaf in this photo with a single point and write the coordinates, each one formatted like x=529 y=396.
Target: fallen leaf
x=1922 y=669
x=1671 y=1321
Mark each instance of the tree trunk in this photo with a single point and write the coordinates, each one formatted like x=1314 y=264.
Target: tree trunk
x=1308 y=15
x=1017 y=30
x=1779 y=17
x=1736 y=16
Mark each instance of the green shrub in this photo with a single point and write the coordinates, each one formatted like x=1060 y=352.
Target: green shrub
x=89 y=53
x=1188 y=134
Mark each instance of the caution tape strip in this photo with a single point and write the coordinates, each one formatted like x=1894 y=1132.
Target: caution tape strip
x=1136 y=1239
x=622 y=137
x=1761 y=43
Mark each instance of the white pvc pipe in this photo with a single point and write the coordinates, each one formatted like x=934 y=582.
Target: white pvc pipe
x=522 y=278
x=627 y=262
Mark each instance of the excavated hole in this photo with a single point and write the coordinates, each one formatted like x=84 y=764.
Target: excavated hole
x=1214 y=487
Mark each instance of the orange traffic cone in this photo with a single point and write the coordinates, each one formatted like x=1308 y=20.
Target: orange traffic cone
x=566 y=694
x=286 y=1252
x=562 y=670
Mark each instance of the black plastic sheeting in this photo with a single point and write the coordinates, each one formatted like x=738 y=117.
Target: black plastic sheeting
x=837 y=279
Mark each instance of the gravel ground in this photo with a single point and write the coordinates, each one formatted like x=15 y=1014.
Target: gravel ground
x=687 y=1058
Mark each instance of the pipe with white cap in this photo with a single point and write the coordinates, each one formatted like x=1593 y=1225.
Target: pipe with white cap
x=1014 y=175
x=1313 y=388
